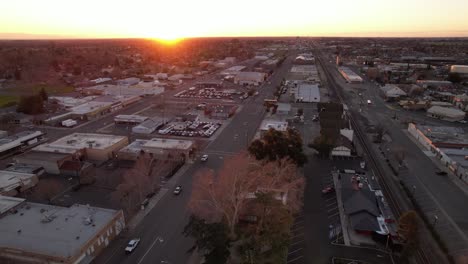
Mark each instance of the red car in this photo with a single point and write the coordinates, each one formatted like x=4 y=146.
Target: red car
x=328 y=190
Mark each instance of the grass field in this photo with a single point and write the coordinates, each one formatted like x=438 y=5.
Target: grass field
x=8 y=100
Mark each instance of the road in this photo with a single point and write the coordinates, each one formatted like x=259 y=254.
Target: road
x=161 y=230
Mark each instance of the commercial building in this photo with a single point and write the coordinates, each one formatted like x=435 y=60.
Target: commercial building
x=148 y=126
x=40 y=233
x=434 y=137
x=233 y=70
x=249 y=78
x=95 y=147
x=433 y=83
x=12 y=183
x=349 y=75
x=273 y=124
x=446 y=113
x=129 y=119
x=51 y=162
x=307 y=93
x=18 y=141
x=91 y=110
x=128 y=81
x=305 y=58
x=161 y=148
x=283 y=109
x=300 y=73
x=121 y=90
x=460 y=69
x=392 y=92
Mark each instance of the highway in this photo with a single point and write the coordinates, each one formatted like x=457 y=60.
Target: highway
x=161 y=230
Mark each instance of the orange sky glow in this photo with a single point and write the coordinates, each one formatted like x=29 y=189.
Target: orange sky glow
x=174 y=19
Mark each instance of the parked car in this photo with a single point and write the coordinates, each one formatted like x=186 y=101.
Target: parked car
x=132 y=244
x=441 y=173
x=177 y=190
x=328 y=190
x=204 y=158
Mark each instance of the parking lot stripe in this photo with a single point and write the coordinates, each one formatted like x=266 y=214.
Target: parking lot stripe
x=297 y=228
x=297 y=242
x=294 y=251
x=330 y=199
x=335 y=214
x=294 y=259
x=331 y=204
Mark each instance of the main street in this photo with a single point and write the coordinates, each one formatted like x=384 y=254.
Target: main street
x=160 y=231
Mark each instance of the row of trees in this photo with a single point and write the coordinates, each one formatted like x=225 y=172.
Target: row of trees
x=32 y=104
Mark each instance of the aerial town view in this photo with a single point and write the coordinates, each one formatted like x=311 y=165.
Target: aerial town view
x=245 y=132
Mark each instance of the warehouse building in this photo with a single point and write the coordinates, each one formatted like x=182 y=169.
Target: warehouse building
x=161 y=148
x=18 y=141
x=95 y=147
x=91 y=110
x=249 y=78
x=392 y=92
x=129 y=119
x=12 y=183
x=460 y=69
x=446 y=113
x=266 y=125
x=40 y=233
x=148 y=126
x=307 y=93
x=349 y=75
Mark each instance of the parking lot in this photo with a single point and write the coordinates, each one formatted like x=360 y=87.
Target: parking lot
x=297 y=243
x=331 y=206
x=207 y=93
x=191 y=129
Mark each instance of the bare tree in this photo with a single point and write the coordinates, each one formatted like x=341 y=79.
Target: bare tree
x=224 y=195
x=400 y=155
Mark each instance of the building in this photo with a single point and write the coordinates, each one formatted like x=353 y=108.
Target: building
x=161 y=148
x=95 y=147
x=91 y=110
x=273 y=124
x=460 y=69
x=3 y=133
x=461 y=101
x=19 y=141
x=40 y=233
x=446 y=113
x=392 y=92
x=51 y=162
x=128 y=81
x=434 y=137
x=12 y=183
x=300 y=73
x=433 y=83
x=307 y=93
x=283 y=109
x=148 y=126
x=249 y=78
x=232 y=70
x=344 y=144
x=305 y=58
x=129 y=119
x=349 y=75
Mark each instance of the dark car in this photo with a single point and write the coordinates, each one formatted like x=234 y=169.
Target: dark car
x=441 y=173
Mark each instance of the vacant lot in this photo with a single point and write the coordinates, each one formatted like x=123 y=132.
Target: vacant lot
x=8 y=100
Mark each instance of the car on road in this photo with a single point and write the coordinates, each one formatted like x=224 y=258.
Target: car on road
x=441 y=173
x=204 y=158
x=369 y=102
x=328 y=190
x=177 y=190
x=132 y=244
x=462 y=121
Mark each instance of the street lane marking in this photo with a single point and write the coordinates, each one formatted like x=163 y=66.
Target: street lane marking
x=296 y=250
x=294 y=259
x=297 y=228
x=297 y=242
x=157 y=239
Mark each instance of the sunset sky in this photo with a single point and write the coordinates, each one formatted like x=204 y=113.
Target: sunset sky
x=172 y=19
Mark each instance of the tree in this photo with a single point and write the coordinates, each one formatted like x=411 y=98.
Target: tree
x=43 y=94
x=211 y=238
x=276 y=145
x=223 y=196
x=323 y=144
x=408 y=228
x=32 y=104
x=400 y=155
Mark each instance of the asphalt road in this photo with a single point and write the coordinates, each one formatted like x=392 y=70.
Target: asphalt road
x=161 y=230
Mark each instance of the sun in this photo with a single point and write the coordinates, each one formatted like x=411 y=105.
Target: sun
x=168 y=38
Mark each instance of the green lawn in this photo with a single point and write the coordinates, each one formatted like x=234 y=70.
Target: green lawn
x=53 y=89
x=7 y=100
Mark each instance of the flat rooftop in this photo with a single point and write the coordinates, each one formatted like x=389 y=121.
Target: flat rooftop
x=7 y=202
x=304 y=69
x=276 y=125
x=163 y=143
x=90 y=107
x=134 y=147
x=52 y=230
x=77 y=141
x=444 y=134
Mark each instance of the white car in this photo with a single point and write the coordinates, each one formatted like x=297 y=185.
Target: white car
x=204 y=158
x=132 y=245
x=178 y=190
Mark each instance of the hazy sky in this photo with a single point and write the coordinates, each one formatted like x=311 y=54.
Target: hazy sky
x=190 y=18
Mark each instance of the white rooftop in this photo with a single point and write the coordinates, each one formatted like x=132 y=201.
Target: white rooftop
x=90 y=107
x=308 y=93
x=51 y=230
x=7 y=202
x=163 y=143
x=10 y=180
x=276 y=125
x=77 y=141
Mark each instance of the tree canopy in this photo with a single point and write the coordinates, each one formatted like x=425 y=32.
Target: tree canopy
x=276 y=145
